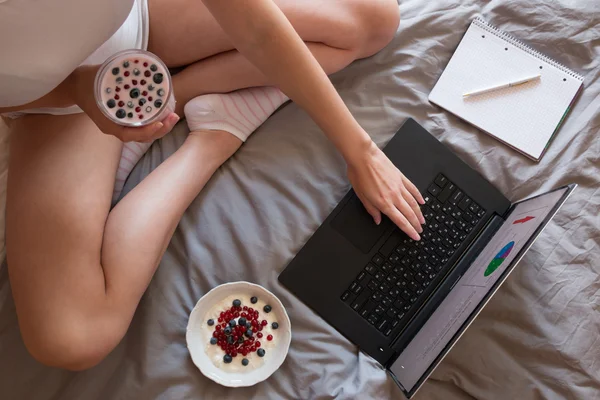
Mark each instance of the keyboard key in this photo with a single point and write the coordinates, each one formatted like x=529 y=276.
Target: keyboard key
x=380 y=276
x=413 y=252
x=382 y=325
x=395 y=322
x=416 y=266
x=360 y=301
x=401 y=284
x=357 y=289
x=402 y=249
x=441 y=218
x=419 y=291
x=474 y=207
x=391 y=313
x=427 y=269
x=456 y=213
x=370 y=268
x=481 y=213
x=373 y=318
x=400 y=315
x=361 y=276
x=376 y=297
x=465 y=203
x=353 y=286
x=434 y=226
x=406 y=261
x=391 y=243
x=379 y=310
x=386 y=301
x=348 y=297
x=378 y=259
x=426 y=283
x=394 y=258
x=435 y=205
x=406 y=294
x=372 y=285
x=467 y=216
x=407 y=307
x=420 y=277
x=388 y=331
x=461 y=225
x=441 y=180
x=394 y=292
x=399 y=269
x=446 y=193
x=407 y=276
x=413 y=299
x=427 y=213
x=447 y=208
x=456 y=197
x=434 y=259
x=387 y=268
x=434 y=189
x=367 y=308
x=384 y=287
x=400 y=303
x=391 y=279
x=422 y=257
x=413 y=286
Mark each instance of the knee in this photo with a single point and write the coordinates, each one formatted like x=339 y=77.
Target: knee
x=377 y=21
x=70 y=346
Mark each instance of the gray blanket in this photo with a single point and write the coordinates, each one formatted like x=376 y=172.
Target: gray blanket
x=539 y=336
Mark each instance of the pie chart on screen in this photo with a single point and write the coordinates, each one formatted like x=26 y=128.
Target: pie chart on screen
x=499 y=259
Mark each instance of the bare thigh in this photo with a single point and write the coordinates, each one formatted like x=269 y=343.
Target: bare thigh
x=184 y=31
x=60 y=182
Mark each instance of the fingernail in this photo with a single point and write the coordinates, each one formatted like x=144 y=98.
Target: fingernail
x=159 y=125
x=417 y=237
x=377 y=220
x=420 y=230
x=175 y=118
x=422 y=220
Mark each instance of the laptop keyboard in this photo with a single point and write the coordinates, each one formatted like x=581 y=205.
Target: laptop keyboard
x=395 y=280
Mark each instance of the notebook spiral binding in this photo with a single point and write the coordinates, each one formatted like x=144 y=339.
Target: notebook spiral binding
x=517 y=43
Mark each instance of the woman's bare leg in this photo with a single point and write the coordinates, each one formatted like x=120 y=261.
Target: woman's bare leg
x=77 y=269
x=336 y=31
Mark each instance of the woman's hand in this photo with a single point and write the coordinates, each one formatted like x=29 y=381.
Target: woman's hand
x=382 y=188
x=81 y=86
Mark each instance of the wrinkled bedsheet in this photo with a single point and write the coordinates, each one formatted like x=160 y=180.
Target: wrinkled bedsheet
x=537 y=339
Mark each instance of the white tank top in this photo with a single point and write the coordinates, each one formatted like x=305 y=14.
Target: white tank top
x=43 y=41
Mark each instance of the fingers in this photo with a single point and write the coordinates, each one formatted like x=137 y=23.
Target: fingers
x=413 y=190
x=371 y=209
x=401 y=222
x=412 y=203
x=402 y=205
x=148 y=133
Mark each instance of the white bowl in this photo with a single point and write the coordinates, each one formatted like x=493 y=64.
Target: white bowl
x=199 y=333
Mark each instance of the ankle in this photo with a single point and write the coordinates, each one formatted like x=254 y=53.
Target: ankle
x=215 y=146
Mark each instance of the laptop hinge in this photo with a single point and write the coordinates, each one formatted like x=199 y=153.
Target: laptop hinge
x=430 y=305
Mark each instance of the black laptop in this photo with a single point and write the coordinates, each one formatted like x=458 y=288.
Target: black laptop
x=404 y=302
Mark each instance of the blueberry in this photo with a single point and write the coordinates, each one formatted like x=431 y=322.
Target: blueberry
x=142 y=102
x=130 y=115
x=158 y=103
x=241 y=339
x=130 y=104
x=245 y=362
x=275 y=325
x=230 y=340
x=126 y=64
x=111 y=103
x=248 y=324
x=261 y=352
x=157 y=78
x=148 y=109
x=121 y=113
x=134 y=93
x=120 y=79
x=227 y=330
x=237 y=303
x=242 y=321
x=160 y=92
x=136 y=72
x=115 y=71
x=108 y=90
x=153 y=68
x=254 y=300
x=150 y=87
x=227 y=359
x=213 y=340
x=210 y=322
x=267 y=308
x=232 y=323
x=248 y=333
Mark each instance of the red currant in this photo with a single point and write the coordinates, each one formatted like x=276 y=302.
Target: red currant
x=145 y=64
x=150 y=98
x=126 y=73
x=117 y=97
x=251 y=310
x=117 y=89
x=215 y=334
x=233 y=353
x=270 y=337
x=264 y=322
x=126 y=87
x=143 y=82
x=259 y=335
x=260 y=328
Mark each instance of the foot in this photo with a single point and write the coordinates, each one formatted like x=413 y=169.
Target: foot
x=238 y=113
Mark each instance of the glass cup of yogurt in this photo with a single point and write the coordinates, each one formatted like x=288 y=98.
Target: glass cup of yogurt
x=134 y=88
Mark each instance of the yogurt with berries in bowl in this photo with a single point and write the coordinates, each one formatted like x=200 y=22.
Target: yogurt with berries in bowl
x=238 y=334
x=134 y=88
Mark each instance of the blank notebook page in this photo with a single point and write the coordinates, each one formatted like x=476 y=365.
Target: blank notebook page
x=524 y=117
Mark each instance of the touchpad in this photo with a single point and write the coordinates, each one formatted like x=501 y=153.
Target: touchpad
x=356 y=225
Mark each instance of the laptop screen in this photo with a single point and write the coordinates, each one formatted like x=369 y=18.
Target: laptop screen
x=474 y=288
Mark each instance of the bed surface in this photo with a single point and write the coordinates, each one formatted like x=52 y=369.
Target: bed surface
x=539 y=338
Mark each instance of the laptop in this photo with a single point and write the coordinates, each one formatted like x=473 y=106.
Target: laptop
x=403 y=302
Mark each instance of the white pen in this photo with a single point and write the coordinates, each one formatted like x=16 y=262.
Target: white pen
x=503 y=86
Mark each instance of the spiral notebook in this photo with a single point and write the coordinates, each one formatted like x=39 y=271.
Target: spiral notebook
x=524 y=117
